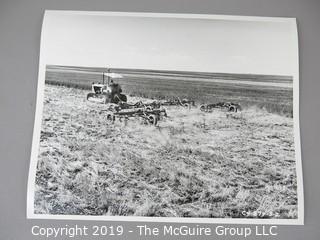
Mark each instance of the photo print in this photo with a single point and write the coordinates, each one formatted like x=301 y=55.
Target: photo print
x=167 y=117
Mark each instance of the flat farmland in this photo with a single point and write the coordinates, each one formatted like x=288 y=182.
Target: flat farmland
x=271 y=93
x=193 y=164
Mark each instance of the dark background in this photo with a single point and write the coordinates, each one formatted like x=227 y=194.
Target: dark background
x=20 y=25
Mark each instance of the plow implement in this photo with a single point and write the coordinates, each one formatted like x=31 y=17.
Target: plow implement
x=229 y=106
x=140 y=104
x=150 y=117
x=178 y=102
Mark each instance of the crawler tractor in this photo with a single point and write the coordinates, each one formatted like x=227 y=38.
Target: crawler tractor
x=106 y=93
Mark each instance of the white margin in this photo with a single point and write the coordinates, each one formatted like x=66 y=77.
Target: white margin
x=38 y=120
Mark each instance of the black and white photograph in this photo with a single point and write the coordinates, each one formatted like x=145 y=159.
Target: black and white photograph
x=167 y=117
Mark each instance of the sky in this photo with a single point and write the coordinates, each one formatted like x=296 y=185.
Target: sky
x=170 y=43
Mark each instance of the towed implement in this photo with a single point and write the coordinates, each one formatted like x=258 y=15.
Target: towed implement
x=156 y=104
x=140 y=104
x=178 y=102
x=148 y=116
x=229 y=106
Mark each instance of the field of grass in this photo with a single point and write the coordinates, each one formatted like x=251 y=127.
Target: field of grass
x=193 y=164
x=199 y=87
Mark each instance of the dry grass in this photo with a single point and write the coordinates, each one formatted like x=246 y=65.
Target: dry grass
x=193 y=164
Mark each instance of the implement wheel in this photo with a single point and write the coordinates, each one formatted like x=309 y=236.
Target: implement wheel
x=152 y=119
x=110 y=117
x=232 y=108
x=187 y=105
x=203 y=108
